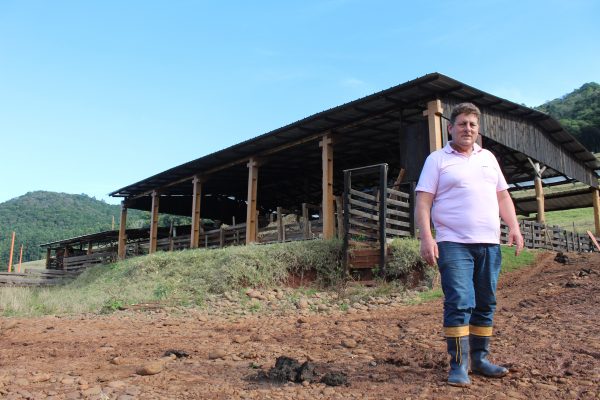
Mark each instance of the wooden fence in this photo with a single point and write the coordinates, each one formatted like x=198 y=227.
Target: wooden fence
x=541 y=236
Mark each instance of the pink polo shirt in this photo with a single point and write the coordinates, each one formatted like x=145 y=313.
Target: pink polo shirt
x=465 y=204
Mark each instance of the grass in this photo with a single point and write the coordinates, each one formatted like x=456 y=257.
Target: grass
x=186 y=278
x=510 y=262
x=194 y=277
x=578 y=220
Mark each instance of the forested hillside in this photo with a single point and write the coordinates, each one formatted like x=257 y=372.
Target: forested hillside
x=579 y=113
x=41 y=217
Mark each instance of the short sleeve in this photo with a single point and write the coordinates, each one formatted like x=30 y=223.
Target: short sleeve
x=428 y=180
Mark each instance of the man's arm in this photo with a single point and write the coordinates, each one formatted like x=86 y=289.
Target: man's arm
x=429 y=249
x=508 y=215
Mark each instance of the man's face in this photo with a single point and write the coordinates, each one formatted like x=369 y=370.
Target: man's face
x=464 y=131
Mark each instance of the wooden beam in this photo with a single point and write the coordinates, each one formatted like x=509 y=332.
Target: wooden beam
x=251 y=212
x=433 y=113
x=12 y=247
x=539 y=190
x=154 y=222
x=327 y=185
x=122 y=232
x=196 y=203
x=596 y=202
x=539 y=198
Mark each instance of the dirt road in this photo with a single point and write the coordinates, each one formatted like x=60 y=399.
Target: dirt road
x=547 y=332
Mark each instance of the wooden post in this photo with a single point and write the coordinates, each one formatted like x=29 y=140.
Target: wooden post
x=434 y=120
x=596 y=203
x=539 y=190
x=251 y=213
x=306 y=227
x=89 y=249
x=12 y=247
x=279 y=224
x=48 y=254
x=122 y=232
x=539 y=198
x=20 y=258
x=382 y=219
x=221 y=236
x=154 y=222
x=339 y=206
x=433 y=113
x=171 y=231
x=196 y=202
x=327 y=184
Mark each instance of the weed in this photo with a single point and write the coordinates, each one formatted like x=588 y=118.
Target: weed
x=111 y=305
x=254 y=306
x=161 y=291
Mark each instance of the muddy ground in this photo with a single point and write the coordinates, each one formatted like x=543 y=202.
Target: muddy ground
x=547 y=332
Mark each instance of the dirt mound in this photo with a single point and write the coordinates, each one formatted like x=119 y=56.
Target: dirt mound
x=546 y=333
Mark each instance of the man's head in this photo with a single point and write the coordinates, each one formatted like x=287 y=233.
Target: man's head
x=464 y=108
x=464 y=126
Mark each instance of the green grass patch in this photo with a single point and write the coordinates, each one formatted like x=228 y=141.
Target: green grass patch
x=577 y=220
x=429 y=295
x=510 y=262
x=186 y=278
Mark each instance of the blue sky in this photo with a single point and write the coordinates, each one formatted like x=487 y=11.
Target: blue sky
x=98 y=94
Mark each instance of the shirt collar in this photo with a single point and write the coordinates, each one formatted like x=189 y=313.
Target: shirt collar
x=448 y=149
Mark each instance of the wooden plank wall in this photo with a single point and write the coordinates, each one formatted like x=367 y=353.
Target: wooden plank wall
x=527 y=138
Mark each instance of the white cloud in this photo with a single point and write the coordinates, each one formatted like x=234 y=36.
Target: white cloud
x=353 y=83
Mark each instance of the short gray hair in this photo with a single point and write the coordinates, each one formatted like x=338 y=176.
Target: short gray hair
x=464 y=108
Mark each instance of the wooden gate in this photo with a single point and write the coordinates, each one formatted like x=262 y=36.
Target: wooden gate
x=365 y=232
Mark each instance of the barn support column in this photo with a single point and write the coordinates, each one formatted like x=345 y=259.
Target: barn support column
x=196 y=202
x=596 y=202
x=433 y=113
x=251 y=213
x=539 y=191
x=48 y=255
x=326 y=145
x=154 y=222
x=122 y=232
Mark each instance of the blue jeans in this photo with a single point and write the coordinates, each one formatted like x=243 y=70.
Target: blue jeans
x=469 y=274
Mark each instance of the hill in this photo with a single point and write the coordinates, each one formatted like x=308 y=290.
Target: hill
x=579 y=113
x=41 y=217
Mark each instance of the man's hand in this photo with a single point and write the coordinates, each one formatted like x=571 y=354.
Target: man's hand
x=515 y=238
x=429 y=250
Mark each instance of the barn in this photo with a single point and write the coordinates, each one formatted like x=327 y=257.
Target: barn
x=299 y=169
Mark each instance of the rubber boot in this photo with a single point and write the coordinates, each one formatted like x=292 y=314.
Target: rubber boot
x=480 y=348
x=458 y=348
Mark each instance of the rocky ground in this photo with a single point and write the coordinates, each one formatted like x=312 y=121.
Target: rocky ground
x=547 y=333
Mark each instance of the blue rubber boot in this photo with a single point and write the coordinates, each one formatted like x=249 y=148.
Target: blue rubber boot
x=480 y=348
x=458 y=348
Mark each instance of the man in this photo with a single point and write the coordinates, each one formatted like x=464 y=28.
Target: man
x=463 y=191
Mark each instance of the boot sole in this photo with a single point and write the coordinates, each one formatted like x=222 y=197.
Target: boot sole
x=457 y=384
x=489 y=376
